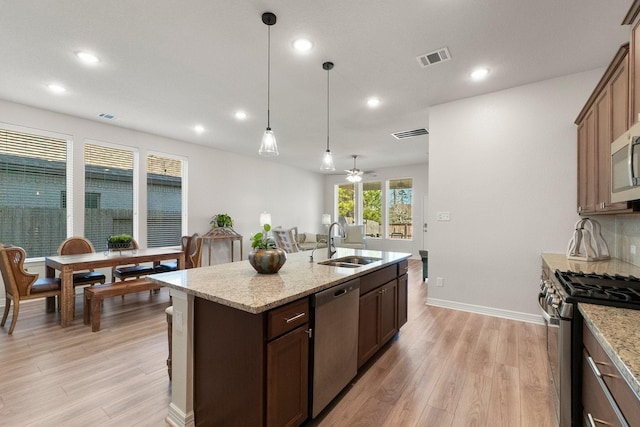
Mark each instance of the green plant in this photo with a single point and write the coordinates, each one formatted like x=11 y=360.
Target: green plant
x=120 y=238
x=261 y=239
x=221 y=220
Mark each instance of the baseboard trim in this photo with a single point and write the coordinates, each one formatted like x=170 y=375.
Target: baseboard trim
x=177 y=418
x=489 y=311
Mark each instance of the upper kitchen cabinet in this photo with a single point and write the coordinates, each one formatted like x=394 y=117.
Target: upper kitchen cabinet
x=604 y=117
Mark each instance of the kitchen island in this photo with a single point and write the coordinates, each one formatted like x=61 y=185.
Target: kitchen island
x=228 y=347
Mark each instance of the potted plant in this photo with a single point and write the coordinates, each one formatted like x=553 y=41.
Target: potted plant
x=221 y=220
x=265 y=258
x=119 y=241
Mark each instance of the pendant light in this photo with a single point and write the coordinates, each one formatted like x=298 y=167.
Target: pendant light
x=327 y=159
x=268 y=147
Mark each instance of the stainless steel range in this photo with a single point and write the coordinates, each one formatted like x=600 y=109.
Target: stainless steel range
x=560 y=292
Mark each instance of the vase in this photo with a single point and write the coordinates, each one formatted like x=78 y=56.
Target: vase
x=267 y=261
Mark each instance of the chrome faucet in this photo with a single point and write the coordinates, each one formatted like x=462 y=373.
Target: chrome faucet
x=331 y=252
x=316 y=247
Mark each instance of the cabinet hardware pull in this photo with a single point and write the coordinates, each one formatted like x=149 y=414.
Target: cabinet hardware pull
x=593 y=366
x=603 y=364
x=296 y=317
x=309 y=332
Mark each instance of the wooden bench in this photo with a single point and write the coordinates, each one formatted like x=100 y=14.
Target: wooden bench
x=94 y=295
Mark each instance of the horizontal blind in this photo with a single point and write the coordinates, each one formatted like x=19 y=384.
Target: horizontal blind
x=33 y=171
x=164 y=201
x=109 y=184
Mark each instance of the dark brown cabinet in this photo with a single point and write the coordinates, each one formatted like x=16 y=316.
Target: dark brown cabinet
x=378 y=320
x=606 y=397
x=403 y=301
x=604 y=117
x=288 y=378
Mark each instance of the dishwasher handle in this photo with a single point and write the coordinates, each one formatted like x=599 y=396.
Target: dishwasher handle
x=335 y=292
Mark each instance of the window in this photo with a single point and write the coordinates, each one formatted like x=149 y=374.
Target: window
x=164 y=201
x=33 y=173
x=347 y=202
x=109 y=181
x=91 y=200
x=372 y=208
x=400 y=208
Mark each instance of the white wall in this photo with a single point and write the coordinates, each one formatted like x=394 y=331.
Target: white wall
x=504 y=166
x=419 y=173
x=217 y=181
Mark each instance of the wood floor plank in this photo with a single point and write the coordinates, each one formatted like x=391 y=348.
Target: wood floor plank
x=445 y=368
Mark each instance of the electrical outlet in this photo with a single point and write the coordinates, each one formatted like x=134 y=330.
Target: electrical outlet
x=439 y=281
x=632 y=249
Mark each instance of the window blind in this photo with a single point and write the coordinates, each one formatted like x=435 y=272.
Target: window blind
x=164 y=201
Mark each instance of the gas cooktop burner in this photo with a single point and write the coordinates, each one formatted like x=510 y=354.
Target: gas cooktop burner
x=617 y=290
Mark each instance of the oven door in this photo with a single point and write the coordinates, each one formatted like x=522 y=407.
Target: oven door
x=552 y=330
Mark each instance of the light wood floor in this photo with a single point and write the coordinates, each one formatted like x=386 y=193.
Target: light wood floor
x=445 y=368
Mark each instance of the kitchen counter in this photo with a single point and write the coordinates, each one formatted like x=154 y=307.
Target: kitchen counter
x=239 y=286
x=611 y=266
x=618 y=332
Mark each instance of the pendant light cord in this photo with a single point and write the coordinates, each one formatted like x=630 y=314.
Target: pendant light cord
x=268 y=77
x=328 y=110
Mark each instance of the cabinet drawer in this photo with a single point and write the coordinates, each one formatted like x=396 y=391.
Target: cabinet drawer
x=287 y=318
x=378 y=278
x=595 y=403
x=625 y=397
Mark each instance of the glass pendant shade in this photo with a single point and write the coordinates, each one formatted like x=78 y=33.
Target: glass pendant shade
x=268 y=147
x=327 y=162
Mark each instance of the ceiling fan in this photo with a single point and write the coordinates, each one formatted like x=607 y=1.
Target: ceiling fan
x=355 y=174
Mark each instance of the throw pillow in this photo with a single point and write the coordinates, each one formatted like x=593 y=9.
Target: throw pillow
x=301 y=237
x=310 y=237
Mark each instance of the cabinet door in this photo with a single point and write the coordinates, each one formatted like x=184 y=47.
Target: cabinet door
x=634 y=72
x=288 y=378
x=402 y=300
x=595 y=403
x=603 y=140
x=388 y=311
x=586 y=163
x=368 y=326
x=619 y=88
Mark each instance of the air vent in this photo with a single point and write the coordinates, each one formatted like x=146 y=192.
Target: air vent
x=106 y=116
x=410 y=133
x=434 y=57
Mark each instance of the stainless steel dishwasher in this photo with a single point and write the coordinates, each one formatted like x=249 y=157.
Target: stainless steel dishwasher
x=335 y=342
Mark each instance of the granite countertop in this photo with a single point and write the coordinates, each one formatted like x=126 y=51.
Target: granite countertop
x=610 y=266
x=618 y=331
x=239 y=286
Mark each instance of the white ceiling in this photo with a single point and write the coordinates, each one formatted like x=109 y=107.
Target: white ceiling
x=169 y=65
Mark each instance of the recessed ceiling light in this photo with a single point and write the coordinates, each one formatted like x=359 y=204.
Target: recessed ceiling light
x=56 y=88
x=302 y=45
x=373 y=102
x=240 y=115
x=198 y=128
x=479 y=73
x=87 y=58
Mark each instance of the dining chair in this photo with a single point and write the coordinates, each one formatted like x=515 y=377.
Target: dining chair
x=130 y=271
x=79 y=245
x=20 y=285
x=192 y=248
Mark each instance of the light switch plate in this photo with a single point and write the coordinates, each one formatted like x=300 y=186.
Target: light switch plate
x=444 y=216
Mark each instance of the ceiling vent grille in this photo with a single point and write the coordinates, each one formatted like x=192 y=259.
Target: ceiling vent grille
x=106 y=116
x=410 y=133
x=434 y=57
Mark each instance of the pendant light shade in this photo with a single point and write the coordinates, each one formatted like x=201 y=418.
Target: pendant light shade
x=268 y=147
x=327 y=159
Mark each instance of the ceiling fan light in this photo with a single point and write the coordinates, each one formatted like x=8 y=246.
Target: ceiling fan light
x=354 y=178
x=327 y=162
x=268 y=147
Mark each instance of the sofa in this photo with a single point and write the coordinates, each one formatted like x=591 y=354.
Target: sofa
x=354 y=237
x=308 y=241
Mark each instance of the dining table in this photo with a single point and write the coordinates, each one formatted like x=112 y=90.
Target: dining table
x=68 y=264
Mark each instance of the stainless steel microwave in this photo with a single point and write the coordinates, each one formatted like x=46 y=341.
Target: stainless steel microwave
x=625 y=166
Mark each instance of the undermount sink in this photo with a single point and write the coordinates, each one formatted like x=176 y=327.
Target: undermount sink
x=352 y=261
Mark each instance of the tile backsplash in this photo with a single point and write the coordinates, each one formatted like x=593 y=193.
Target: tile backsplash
x=621 y=232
